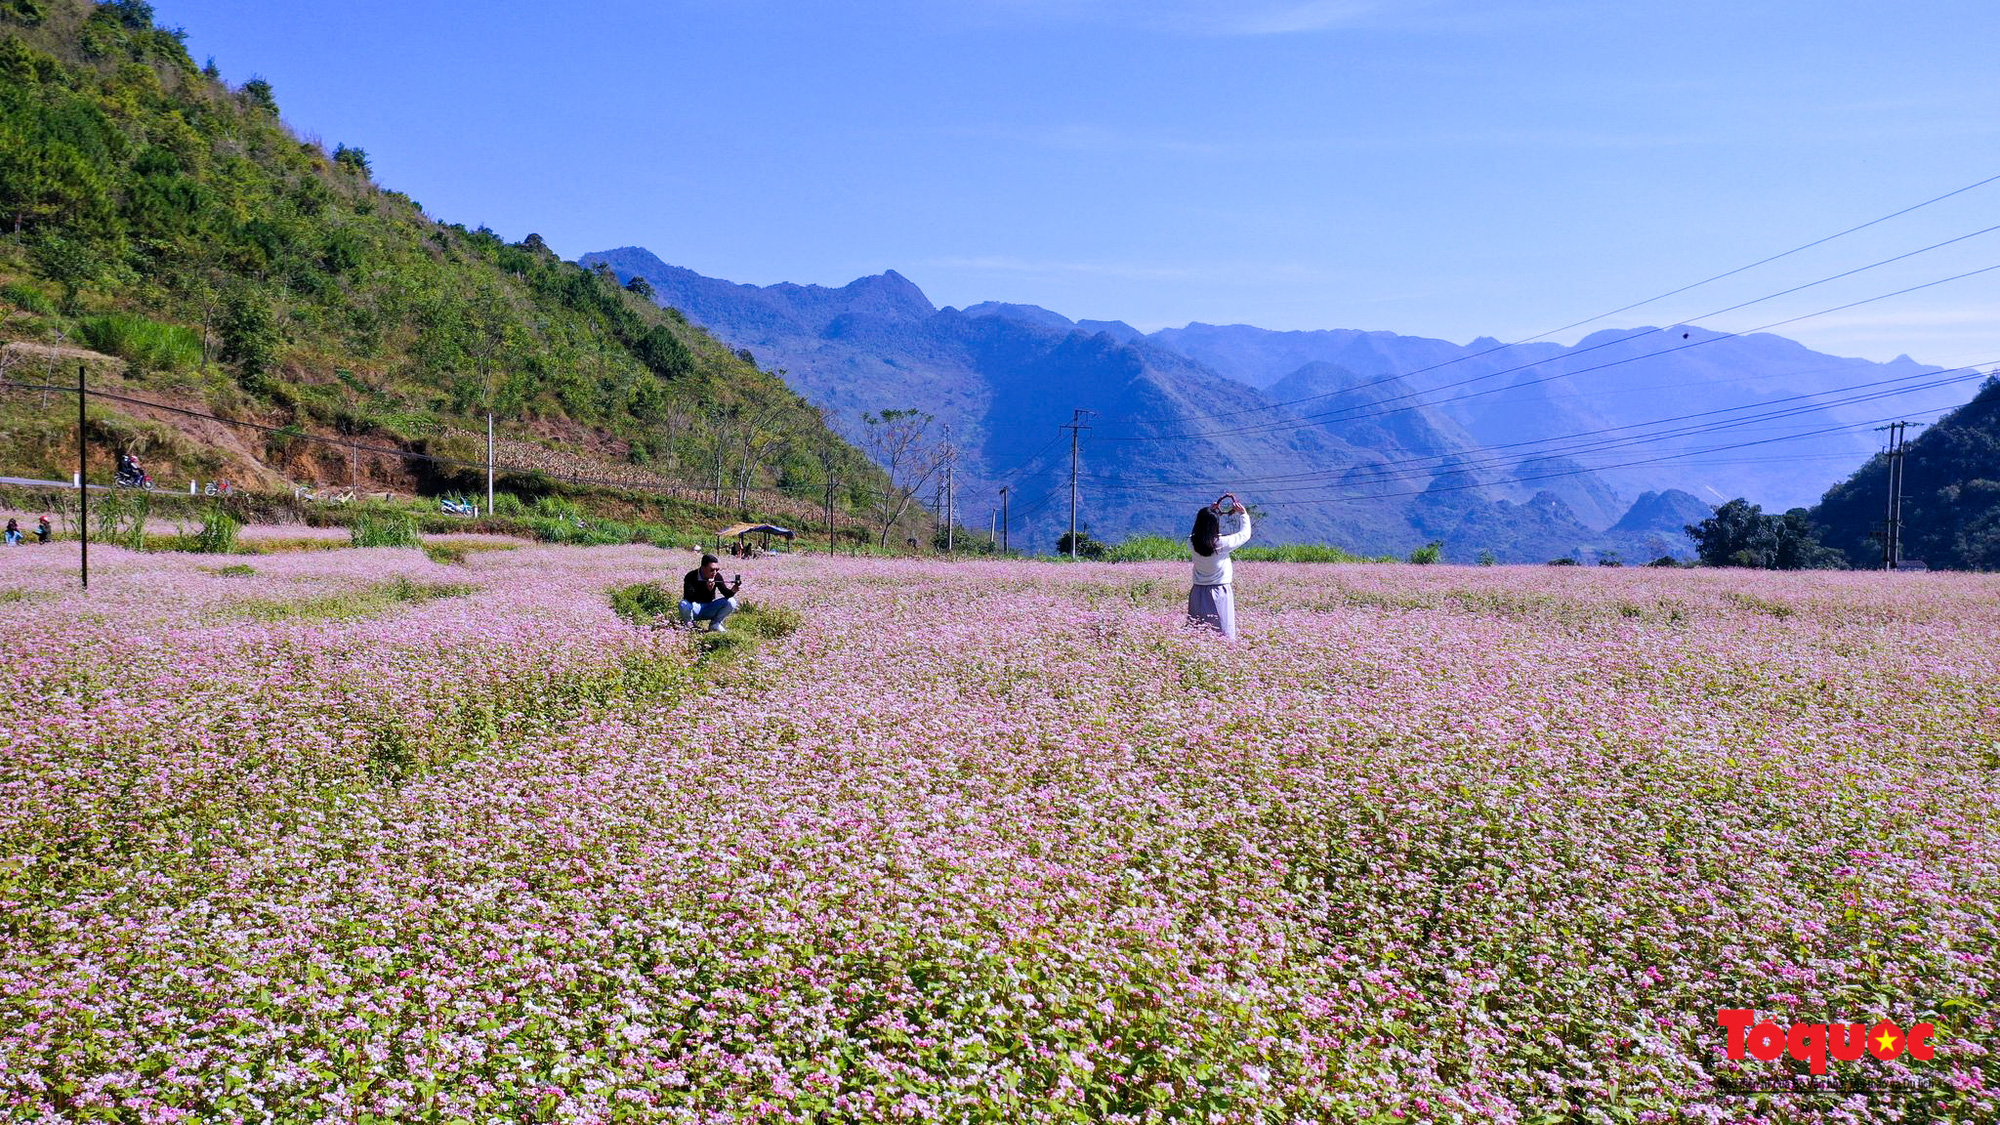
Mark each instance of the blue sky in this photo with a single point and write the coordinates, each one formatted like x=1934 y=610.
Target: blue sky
x=1444 y=169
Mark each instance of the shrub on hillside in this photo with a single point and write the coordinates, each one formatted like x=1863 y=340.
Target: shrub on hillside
x=144 y=342
x=28 y=298
x=249 y=333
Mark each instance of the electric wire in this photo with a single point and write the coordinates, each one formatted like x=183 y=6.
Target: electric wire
x=1664 y=296
x=1489 y=455
x=1292 y=423
x=1620 y=465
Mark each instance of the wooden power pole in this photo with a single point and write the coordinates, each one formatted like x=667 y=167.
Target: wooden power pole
x=1075 y=428
x=82 y=482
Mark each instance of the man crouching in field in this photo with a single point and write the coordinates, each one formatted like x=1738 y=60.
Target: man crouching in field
x=706 y=597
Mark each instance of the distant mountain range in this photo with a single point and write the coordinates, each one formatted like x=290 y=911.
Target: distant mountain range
x=1369 y=440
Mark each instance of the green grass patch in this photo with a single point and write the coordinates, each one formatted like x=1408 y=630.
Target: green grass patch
x=290 y=545
x=143 y=341
x=590 y=533
x=1305 y=553
x=350 y=605
x=767 y=622
x=1148 y=548
x=234 y=570
x=454 y=554
x=646 y=603
x=385 y=529
x=712 y=648
x=216 y=537
x=28 y=298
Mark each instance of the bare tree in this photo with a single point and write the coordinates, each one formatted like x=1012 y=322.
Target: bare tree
x=713 y=439
x=754 y=435
x=827 y=450
x=899 y=441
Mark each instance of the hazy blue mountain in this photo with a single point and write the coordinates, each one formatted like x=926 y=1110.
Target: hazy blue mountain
x=1026 y=314
x=1371 y=440
x=1669 y=511
x=1261 y=357
x=1657 y=523
x=1005 y=379
x=1035 y=314
x=1614 y=385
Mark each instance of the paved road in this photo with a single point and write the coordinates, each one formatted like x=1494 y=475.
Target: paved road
x=30 y=482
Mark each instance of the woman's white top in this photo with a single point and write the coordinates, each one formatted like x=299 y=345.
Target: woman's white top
x=1214 y=570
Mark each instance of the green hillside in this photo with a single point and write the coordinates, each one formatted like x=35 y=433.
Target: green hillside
x=155 y=214
x=1951 y=494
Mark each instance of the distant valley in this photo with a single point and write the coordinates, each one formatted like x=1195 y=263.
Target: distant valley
x=1372 y=441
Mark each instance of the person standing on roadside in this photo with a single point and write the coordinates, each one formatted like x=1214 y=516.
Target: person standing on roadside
x=1219 y=529
x=706 y=597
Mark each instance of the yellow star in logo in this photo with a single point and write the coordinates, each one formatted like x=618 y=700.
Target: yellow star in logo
x=1887 y=1041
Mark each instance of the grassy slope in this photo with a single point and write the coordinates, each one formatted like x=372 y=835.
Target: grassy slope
x=152 y=212
x=1951 y=494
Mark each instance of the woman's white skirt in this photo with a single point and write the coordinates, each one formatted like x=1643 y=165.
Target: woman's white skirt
x=1213 y=606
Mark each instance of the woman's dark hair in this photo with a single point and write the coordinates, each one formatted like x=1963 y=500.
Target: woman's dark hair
x=1207 y=529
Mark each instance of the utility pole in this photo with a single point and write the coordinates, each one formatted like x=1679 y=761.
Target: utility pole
x=1003 y=519
x=82 y=482
x=489 y=463
x=950 y=494
x=1895 y=495
x=1075 y=428
x=832 y=538
x=1892 y=534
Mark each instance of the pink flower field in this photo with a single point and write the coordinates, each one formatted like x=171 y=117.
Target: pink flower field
x=351 y=836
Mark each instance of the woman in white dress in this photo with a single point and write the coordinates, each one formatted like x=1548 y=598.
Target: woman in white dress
x=1219 y=529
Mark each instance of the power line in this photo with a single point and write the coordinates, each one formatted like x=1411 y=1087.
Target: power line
x=1011 y=478
x=1660 y=297
x=1620 y=465
x=1810 y=402
x=1455 y=464
x=1030 y=458
x=1265 y=427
